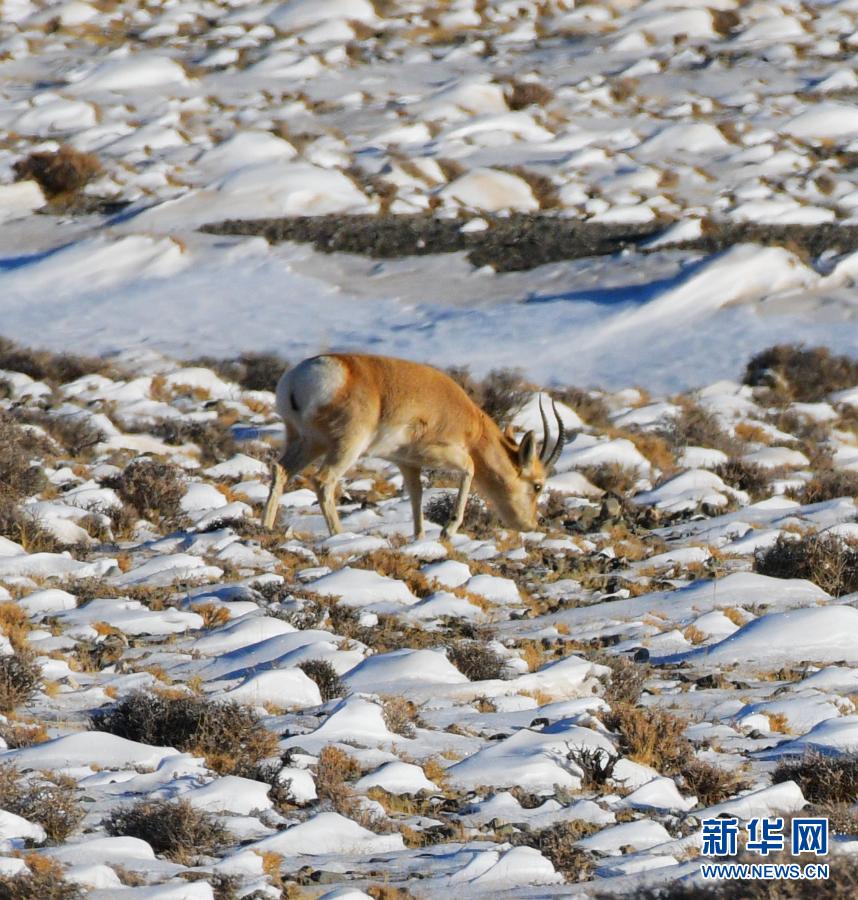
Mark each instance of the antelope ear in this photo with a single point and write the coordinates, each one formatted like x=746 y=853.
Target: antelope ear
x=527 y=450
x=509 y=432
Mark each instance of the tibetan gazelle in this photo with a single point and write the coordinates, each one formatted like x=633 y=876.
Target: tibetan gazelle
x=342 y=406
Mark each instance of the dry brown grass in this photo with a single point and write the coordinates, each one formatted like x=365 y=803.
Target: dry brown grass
x=735 y=615
x=542 y=187
x=334 y=771
x=694 y=635
x=751 y=432
x=20 y=677
x=14 y=624
x=19 y=733
x=400 y=715
x=212 y=614
x=651 y=736
x=50 y=799
x=397 y=565
x=44 y=879
x=654 y=447
x=272 y=864
x=779 y=723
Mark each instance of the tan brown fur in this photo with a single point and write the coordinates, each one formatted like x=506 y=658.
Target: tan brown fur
x=342 y=406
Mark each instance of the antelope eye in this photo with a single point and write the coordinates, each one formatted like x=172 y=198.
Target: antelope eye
x=538 y=486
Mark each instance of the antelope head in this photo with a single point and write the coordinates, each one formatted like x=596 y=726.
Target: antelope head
x=516 y=501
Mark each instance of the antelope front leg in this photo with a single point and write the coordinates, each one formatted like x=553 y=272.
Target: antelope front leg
x=461 y=502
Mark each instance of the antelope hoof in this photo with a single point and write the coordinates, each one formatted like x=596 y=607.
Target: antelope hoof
x=448 y=531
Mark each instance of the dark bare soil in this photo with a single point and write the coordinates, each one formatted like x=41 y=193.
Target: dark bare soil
x=521 y=241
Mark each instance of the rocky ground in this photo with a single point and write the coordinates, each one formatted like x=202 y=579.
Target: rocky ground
x=196 y=707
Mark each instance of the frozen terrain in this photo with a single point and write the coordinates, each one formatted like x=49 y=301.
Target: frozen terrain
x=195 y=708
x=545 y=713
x=662 y=118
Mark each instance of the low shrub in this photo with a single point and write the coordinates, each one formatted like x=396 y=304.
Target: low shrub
x=75 y=433
x=612 y=478
x=400 y=716
x=58 y=172
x=651 y=736
x=522 y=94
x=213 y=437
x=43 y=365
x=695 y=426
x=830 y=484
x=50 y=799
x=596 y=764
x=252 y=371
x=805 y=374
x=557 y=843
x=825 y=559
x=176 y=829
x=589 y=405
x=42 y=880
x=154 y=489
x=710 y=783
x=478 y=520
x=327 y=680
x=627 y=679
x=476 y=660
x=501 y=394
x=744 y=476
x=20 y=476
x=822 y=779
x=227 y=734
x=20 y=677
x=334 y=771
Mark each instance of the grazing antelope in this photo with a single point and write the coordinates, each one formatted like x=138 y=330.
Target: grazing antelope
x=342 y=406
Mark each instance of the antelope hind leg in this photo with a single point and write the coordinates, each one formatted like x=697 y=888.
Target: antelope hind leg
x=278 y=482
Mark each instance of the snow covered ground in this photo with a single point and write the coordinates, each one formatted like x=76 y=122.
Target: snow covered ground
x=480 y=722
x=658 y=114
x=546 y=713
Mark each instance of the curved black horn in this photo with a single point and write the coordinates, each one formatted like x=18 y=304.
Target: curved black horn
x=561 y=438
x=543 y=450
